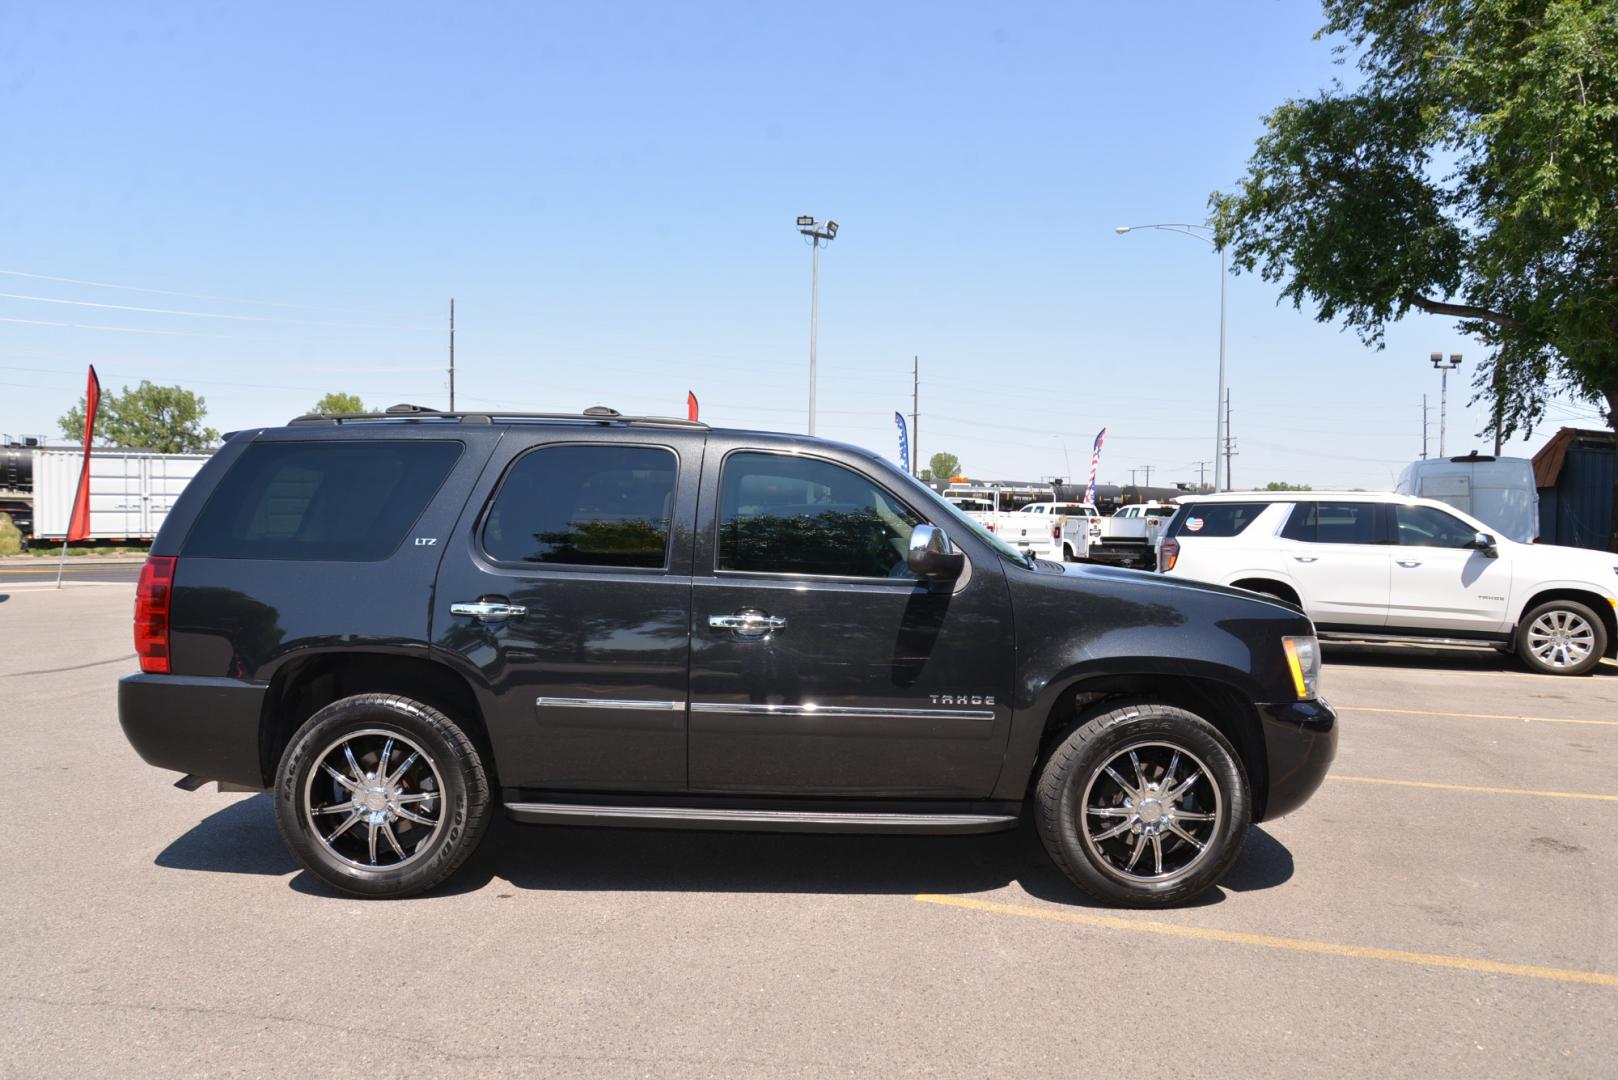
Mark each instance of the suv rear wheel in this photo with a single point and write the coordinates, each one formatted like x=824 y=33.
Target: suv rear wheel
x=381 y=796
x=1144 y=805
x=1561 y=637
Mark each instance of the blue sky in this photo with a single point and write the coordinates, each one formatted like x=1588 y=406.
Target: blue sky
x=608 y=191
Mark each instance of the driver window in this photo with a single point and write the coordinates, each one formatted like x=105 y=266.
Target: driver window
x=1423 y=526
x=782 y=514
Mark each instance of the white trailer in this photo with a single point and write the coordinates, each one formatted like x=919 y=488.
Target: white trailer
x=131 y=491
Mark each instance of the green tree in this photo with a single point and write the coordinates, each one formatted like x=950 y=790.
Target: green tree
x=1282 y=485
x=337 y=404
x=167 y=419
x=1472 y=173
x=942 y=466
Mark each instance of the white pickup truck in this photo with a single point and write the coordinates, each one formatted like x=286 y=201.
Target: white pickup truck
x=1051 y=530
x=1130 y=536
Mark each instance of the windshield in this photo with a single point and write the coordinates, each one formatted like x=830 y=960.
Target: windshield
x=955 y=516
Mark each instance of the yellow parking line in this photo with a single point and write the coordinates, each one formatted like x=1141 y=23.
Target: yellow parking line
x=1323 y=948
x=1476 y=715
x=1470 y=787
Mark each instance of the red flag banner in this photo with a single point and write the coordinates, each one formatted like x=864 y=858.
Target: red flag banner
x=690 y=405
x=78 y=526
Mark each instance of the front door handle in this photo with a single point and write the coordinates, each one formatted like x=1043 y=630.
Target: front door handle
x=1305 y=558
x=1408 y=562
x=747 y=623
x=485 y=610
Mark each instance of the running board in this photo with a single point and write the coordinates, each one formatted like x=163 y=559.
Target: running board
x=810 y=821
x=1412 y=639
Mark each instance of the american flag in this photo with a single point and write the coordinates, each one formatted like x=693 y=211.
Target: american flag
x=1095 y=463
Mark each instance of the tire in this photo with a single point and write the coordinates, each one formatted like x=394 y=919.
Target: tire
x=1561 y=637
x=1215 y=810
x=1067 y=554
x=404 y=833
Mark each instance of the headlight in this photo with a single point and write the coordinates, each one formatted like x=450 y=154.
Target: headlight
x=1303 y=660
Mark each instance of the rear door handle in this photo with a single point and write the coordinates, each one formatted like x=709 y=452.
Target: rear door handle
x=487 y=610
x=1408 y=562
x=1306 y=558
x=747 y=624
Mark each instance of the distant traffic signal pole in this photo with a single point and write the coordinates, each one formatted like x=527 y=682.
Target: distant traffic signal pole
x=1205 y=234
x=817 y=234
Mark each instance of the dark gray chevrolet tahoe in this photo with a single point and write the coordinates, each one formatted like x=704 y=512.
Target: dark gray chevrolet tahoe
x=397 y=621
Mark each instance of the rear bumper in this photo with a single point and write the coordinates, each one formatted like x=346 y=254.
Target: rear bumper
x=1300 y=740
x=205 y=726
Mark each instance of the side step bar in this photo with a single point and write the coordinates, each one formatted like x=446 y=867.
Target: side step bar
x=1412 y=639
x=809 y=821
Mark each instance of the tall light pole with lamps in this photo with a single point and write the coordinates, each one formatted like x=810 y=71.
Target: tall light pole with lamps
x=1205 y=234
x=1443 y=390
x=816 y=233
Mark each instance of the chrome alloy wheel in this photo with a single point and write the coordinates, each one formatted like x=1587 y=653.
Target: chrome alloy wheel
x=1561 y=639
x=1150 y=813
x=374 y=800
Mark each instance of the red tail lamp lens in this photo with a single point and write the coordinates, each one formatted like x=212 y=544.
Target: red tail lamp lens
x=152 y=613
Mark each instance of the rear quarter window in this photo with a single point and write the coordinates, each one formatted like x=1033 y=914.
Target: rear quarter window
x=1214 y=519
x=348 y=501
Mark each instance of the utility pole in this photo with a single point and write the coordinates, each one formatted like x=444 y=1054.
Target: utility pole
x=452 y=354
x=1230 y=442
x=1147 y=469
x=915 y=416
x=1132 y=473
x=1443 y=391
x=1202 y=472
x=817 y=234
x=1424 y=427
x=1499 y=397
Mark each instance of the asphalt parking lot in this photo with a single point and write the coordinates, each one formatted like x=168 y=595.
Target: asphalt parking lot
x=1447 y=905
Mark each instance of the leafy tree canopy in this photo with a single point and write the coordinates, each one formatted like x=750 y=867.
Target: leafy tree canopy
x=943 y=465
x=337 y=404
x=167 y=419
x=1472 y=173
x=1282 y=485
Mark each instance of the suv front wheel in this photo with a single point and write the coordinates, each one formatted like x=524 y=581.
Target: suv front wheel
x=1561 y=637
x=381 y=796
x=1143 y=804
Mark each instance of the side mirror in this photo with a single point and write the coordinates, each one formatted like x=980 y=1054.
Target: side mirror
x=1485 y=543
x=931 y=555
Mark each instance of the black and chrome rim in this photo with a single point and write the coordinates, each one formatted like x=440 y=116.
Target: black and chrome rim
x=374 y=799
x=1150 y=813
x=1561 y=639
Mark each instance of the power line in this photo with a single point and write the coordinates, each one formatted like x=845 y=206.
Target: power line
x=208 y=296
x=204 y=314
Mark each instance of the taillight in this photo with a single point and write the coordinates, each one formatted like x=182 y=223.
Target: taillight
x=989 y=526
x=1056 y=532
x=1168 y=553
x=152 y=613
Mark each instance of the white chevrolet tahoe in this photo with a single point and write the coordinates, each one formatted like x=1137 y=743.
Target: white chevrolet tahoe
x=1373 y=566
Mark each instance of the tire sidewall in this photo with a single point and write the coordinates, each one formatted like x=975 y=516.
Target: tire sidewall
x=422 y=725
x=1583 y=611
x=1107 y=735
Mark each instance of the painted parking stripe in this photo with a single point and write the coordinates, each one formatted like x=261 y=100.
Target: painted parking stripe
x=1475 y=715
x=1322 y=948
x=1474 y=788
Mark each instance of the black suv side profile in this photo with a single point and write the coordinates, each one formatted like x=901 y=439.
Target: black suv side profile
x=395 y=621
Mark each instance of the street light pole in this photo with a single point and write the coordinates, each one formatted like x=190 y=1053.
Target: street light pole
x=816 y=233
x=1205 y=234
x=1443 y=390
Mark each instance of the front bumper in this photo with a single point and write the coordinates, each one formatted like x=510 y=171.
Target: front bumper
x=1300 y=740
x=205 y=726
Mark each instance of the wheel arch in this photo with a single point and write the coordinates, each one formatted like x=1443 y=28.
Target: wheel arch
x=1588 y=597
x=309 y=682
x=1269 y=584
x=1222 y=704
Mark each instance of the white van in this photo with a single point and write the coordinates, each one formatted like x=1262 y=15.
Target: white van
x=1499 y=492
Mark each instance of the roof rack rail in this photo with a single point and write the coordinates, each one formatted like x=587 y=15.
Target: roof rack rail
x=596 y=414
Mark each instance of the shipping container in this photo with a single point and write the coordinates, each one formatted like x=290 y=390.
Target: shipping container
x=131 y=491
x=1575 y=473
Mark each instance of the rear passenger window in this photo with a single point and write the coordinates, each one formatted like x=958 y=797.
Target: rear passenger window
x=781 y=514
x=1333 y=523
x=585 y=506
x=349 y=501
x=1214 y=519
